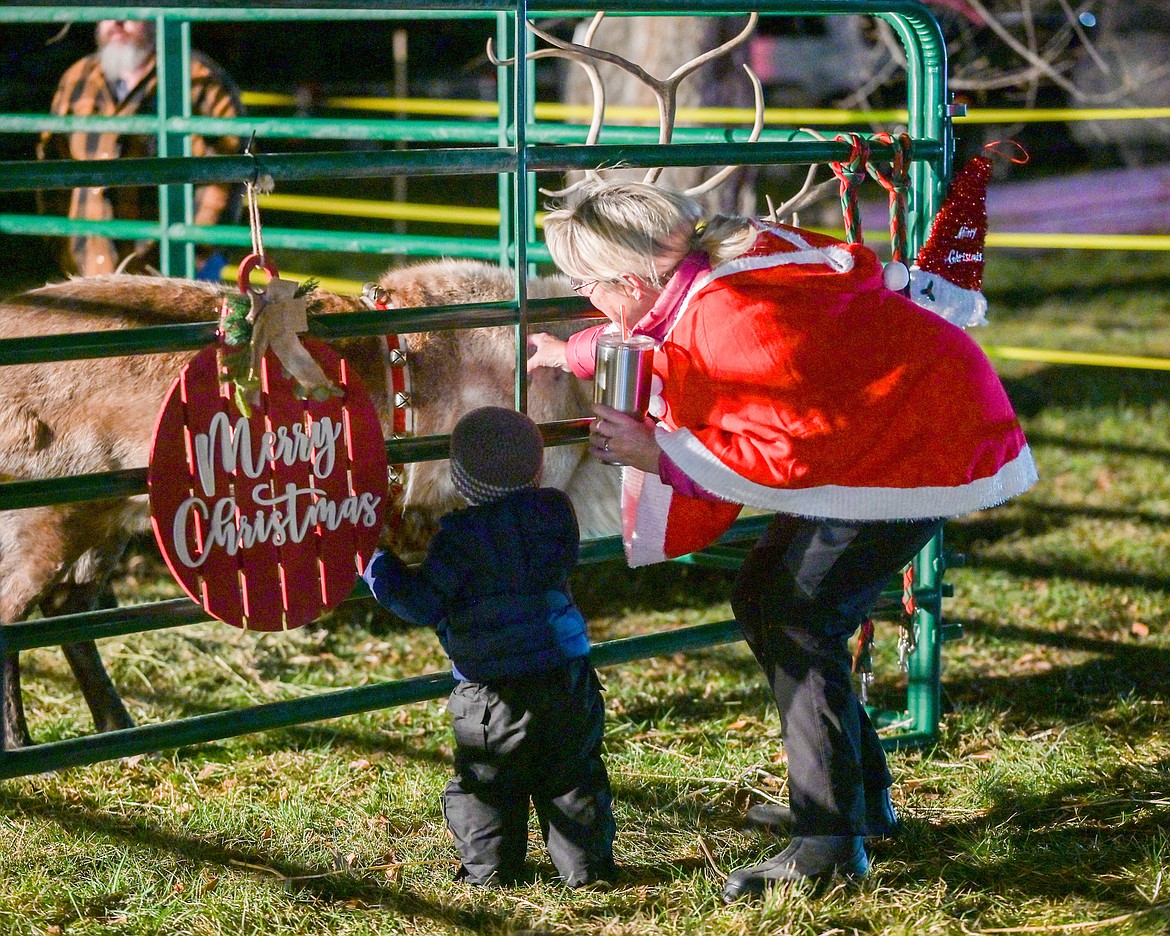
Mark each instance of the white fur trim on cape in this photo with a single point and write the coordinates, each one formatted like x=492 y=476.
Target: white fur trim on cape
x=839 y=502
x=837 y=258
x=935 y=293
x=645 y=538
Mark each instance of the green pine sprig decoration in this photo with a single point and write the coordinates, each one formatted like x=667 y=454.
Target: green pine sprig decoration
x=236 y=359
x=237 y=330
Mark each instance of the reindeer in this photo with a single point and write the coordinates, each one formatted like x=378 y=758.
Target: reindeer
x=67 y=418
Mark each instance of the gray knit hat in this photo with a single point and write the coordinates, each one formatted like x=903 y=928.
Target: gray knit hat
x=494 y=452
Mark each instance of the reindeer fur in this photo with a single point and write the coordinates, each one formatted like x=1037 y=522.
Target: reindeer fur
x=73 y=417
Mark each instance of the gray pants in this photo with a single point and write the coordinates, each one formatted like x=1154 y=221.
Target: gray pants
x=803 y=590
x=535 y=738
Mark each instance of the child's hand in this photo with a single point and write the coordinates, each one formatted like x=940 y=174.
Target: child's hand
x=369 y=572
x=550 y=352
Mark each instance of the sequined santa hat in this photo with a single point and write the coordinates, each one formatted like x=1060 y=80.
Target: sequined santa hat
x=947 y=276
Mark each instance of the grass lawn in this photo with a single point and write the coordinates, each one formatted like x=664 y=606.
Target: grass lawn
x=1043 y=808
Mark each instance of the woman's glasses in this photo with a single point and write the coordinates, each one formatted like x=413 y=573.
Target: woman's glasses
x=583 y=287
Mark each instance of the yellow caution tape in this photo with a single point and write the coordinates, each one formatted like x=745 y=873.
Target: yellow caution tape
x=417 y=106
x=393 y=211
x=717 y=115
x=1060 y=114
x=1082 y=241
x=1077 y=357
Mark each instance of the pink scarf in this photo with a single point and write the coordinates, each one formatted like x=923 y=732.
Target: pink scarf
x=657 y=322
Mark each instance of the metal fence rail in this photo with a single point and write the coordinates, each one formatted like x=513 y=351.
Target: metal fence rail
x=513 y=150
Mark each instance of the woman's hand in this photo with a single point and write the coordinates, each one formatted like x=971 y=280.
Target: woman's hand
x=616 y=438
x=550 y=352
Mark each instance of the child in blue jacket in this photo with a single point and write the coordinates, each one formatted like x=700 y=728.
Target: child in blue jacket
x=527 y=711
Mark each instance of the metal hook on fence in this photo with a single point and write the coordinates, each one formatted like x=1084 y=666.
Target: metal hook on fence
x=256 y=258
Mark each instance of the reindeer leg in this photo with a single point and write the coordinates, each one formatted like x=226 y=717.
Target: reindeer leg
x=18 y=593
x=109 y=712
x=105 y=704
x=13 y=728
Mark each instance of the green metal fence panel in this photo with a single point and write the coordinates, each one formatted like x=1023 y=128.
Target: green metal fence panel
x=513 y=148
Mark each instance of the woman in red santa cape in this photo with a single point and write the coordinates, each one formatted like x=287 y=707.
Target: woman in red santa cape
x=788 y=377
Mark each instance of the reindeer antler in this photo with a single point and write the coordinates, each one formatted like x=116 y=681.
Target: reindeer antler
x=809 y=194
x=595 y=84
x=665 y=90
x=757 y=125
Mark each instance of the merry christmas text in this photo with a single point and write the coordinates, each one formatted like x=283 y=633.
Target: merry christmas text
x=280 y=517
x=294 y=515
x=288 y=444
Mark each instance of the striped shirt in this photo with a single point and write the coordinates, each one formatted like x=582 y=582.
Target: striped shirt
x=84 y=91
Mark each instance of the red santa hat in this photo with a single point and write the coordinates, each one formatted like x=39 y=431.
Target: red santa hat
x=947 y=276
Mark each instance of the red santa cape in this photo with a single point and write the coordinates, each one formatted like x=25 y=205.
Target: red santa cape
x=795 y=381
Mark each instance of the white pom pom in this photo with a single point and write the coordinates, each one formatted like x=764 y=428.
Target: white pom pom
x=896 y=276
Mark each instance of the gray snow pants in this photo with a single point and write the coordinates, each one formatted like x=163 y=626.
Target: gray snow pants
x=537 y=738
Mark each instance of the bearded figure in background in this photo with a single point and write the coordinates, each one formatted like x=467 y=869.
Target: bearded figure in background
x=120 y=80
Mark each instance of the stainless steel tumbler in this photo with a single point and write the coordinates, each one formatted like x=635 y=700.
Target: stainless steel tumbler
x=622 y=378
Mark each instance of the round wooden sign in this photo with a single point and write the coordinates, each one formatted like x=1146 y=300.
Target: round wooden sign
x=265 y=519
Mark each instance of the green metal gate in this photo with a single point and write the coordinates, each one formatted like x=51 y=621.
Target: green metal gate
x=512 y=150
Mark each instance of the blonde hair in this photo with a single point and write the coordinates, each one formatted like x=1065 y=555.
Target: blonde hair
x=617 y=228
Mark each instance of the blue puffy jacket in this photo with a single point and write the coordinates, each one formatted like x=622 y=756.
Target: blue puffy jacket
x=494 y=585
